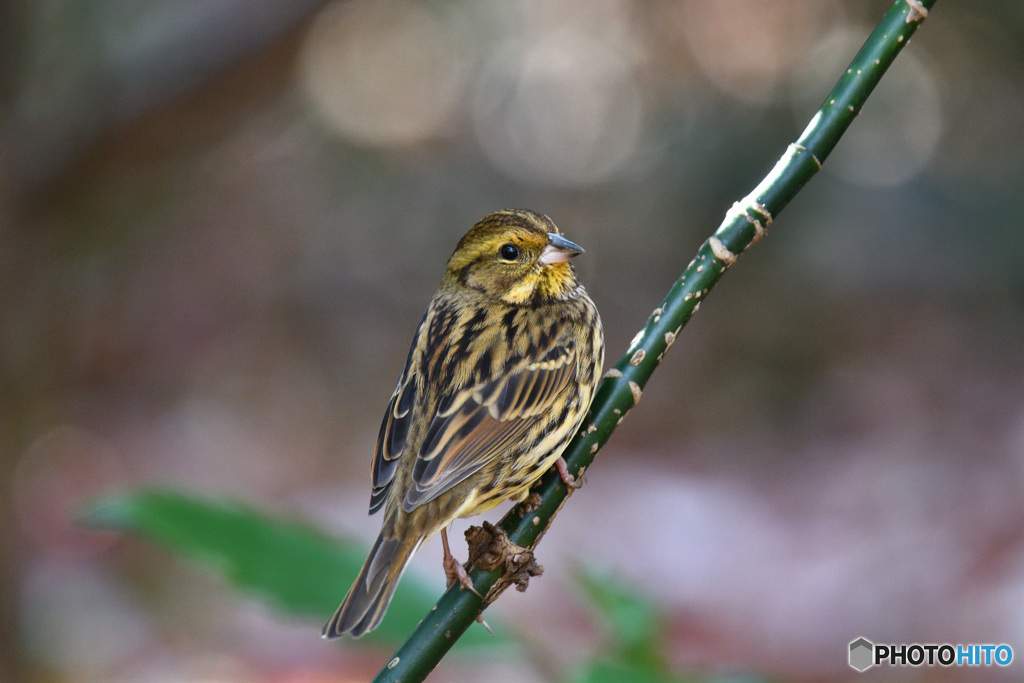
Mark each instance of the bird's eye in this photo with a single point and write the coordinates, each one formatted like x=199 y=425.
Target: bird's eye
x=508 y=252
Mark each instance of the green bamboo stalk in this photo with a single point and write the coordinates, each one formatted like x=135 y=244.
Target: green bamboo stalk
x=745 y=223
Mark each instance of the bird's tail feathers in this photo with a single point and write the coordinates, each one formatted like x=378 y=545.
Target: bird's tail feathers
x=367 y=601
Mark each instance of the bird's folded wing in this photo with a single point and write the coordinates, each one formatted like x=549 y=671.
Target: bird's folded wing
x=394 y=428
x=477 y=424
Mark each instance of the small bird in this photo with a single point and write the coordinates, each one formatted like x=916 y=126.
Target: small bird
x=500 y=375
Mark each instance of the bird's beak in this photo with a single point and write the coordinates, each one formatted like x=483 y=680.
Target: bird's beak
x=558 y=250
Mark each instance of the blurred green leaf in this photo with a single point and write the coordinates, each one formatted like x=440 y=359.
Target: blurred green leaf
x=289 y=564
x=615 y=671
x=632 y=622
x=605 y=671
x=633 y=641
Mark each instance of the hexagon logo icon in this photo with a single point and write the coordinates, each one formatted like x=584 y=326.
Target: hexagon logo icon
x=862 y=654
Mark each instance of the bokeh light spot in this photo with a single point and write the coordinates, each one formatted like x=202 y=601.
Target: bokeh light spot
x=746 y=47
x=560 y=109
x=382 y=73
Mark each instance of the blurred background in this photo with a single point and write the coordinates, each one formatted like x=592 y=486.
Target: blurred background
x=221 y=220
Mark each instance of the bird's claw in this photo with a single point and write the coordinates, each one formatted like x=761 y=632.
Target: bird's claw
x=453 y=569
x=563 y=473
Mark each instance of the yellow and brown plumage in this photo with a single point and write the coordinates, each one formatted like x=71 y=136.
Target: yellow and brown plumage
x=501 y=372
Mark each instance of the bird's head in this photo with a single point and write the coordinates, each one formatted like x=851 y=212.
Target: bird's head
x=516 y=256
